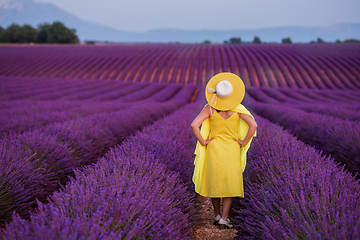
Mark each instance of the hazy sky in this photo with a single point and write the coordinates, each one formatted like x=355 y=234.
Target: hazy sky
x=142 y=15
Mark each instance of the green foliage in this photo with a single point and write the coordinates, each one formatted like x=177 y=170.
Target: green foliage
x=286 y=40
x=352 y=41
x=89 y=42
x=235 y=40
x=319 y=40
x=29 y=34
x=46 y=33
x=43 y=32
x=17 y=34
x=256 y=40
x=11 y=33
x=349 y=41
x=207 y=42
x=58 y=33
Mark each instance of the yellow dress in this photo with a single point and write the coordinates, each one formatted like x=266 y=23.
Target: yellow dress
x=222 y=173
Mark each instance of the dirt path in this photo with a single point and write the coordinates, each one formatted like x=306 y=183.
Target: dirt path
x=204 y=229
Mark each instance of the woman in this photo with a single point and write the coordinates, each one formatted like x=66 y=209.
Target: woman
x=225 y=136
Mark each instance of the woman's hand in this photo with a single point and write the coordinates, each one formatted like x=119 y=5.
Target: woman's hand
x=206 y=142
x=195 y=125
x=241 y=143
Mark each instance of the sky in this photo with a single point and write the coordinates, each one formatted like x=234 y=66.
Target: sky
x=143 y=15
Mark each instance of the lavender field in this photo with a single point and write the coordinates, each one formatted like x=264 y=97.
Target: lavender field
x=309 y=66
x=95 y=141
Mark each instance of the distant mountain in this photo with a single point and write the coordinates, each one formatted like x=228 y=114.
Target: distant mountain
x=276 y=34
x=34 y=13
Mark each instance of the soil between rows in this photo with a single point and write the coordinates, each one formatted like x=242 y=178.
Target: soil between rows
x=204 y=228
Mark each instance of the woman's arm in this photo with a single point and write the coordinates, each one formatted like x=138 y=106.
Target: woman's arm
x=195 y=125
x=252 y=128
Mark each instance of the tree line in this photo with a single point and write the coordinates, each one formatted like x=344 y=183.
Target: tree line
x=236 y=40
x=44 y=33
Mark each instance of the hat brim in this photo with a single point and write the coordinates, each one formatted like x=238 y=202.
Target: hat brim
x=234 y=99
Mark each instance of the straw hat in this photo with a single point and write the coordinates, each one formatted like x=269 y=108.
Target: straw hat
x=224 y=91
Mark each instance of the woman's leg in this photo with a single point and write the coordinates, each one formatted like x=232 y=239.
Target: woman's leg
x=226 y=202
x=216 y=204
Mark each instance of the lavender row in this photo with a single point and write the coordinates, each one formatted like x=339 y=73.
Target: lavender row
x=327 y=102
x=61 y=89
x=34 y=163
x=20 y=116
x=11 y=85
x=91 y=90
x=349 y=112
x=20 y=88
x=298 y=96
x=312 y=70
x=137 y=190
x=64 y=90
x=271 y=95
x=292 y=191
x=299 y=66
x=172 y=93
x=340 y=138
